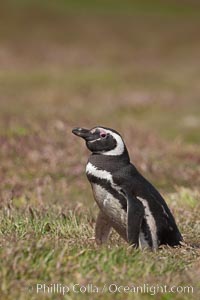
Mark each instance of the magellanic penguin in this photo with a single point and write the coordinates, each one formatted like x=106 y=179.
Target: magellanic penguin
x=127 y=201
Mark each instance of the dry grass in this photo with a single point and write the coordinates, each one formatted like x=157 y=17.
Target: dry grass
x=133 y=69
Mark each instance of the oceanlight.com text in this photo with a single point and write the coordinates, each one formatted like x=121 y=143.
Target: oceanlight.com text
x=113 y=288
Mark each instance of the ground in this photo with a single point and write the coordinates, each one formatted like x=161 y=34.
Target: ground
x=134 y=67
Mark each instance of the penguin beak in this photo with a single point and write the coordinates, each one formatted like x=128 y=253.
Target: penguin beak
x=82 y=132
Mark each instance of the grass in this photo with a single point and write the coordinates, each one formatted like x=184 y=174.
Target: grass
x=48 y=247
x=133 y=67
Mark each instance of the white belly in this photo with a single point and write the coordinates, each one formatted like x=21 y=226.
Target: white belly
x=111 y=207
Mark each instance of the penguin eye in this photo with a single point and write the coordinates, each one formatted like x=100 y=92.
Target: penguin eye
x=103 y=135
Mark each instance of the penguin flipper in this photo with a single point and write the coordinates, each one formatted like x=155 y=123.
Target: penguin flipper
x=135 y=214
x=102 y=228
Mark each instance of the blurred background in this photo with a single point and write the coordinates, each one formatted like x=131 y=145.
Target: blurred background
x=130 y=65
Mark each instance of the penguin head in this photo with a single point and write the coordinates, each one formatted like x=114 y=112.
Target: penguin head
x=102 y=140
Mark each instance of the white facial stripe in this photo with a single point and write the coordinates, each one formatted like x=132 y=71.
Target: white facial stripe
x=150 y=221
x=94 y=141
x=119 y=149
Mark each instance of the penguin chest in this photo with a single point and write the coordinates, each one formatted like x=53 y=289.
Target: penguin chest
x=111 y=207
